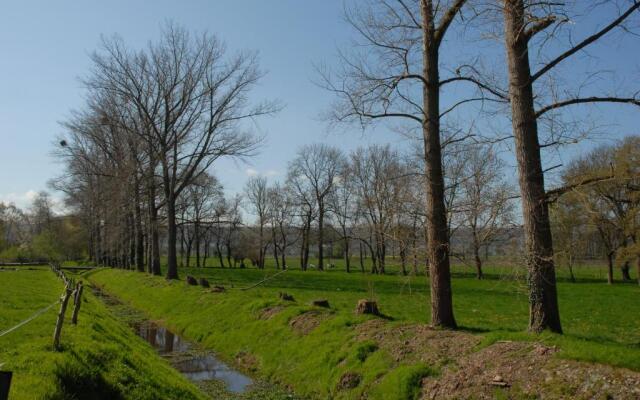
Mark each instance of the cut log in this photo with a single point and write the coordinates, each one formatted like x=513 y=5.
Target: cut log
x=218 y=289
x=204 y=282
x=320 y=303
x=286 y=296
x=365 y=306
x=498 y=381
x=192 y=281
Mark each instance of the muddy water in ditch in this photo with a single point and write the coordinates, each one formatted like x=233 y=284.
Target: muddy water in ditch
x=192 y=363
x=196 y=364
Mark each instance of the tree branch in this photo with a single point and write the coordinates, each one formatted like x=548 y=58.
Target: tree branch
x=591 y=39
x=583 y=100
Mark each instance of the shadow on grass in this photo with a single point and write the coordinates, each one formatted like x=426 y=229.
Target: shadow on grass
x=79 y=380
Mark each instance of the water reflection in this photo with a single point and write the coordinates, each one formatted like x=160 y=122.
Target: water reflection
x=196 y=367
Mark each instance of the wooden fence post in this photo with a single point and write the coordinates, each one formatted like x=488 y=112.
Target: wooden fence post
x=5 y=384
x=77 y=300
x=63 y=308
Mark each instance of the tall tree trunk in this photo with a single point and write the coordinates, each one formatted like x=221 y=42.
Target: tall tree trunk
x=219 y=251
x=261 y=244
x=182 y=241
x=172 y=259
x=610 y=268
x=438 y=237
x=197 y=242
x=188 y=251
x=320 y=238
x=302 y=249
x=403 y=260
x=476 y=256
x=133 y=240
x=284 y=252
x=414 y=251
x=155 y=237
x=361 y=259
x=347 y=256
x=139 y=229
x=626 y=267
x=572 y=277
x=638 y=268
x=206 y=251
x=543 y=302
x=275 y=256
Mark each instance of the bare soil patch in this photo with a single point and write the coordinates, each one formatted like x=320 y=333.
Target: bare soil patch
x=308 y=321
x=247 y=361
x=418 y=343
x=510 y=370
x=270 y=312
x=529 y=370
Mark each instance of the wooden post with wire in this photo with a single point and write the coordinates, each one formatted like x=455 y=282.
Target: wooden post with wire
x=63 y=307
x=77 y=300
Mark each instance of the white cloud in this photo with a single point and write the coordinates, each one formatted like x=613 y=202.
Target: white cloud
x=254 y=172
x=21 y=200
x=24 y=200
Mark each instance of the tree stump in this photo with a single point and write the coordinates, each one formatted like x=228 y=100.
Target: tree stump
x=204 y=282
x=367 y=307
x=286 y=296
x=320 y=303
x=192 y=281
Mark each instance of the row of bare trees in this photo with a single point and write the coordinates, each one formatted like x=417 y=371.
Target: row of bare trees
x=154 y=122
x=373 y=198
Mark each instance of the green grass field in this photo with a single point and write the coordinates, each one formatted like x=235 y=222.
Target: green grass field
x=600 y=321
x=100 y=358
x=495 y=267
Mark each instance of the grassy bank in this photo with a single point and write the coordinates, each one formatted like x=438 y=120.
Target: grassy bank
x=259 y=331
x=101 y=358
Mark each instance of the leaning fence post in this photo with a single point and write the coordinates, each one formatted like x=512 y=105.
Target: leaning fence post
x=77 y=300
x=63 y=308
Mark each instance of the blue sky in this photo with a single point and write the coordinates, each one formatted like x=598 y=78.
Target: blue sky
x=45 y=46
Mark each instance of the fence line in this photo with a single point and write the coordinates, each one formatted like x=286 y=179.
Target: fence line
x=265 y=279
x=31 y=318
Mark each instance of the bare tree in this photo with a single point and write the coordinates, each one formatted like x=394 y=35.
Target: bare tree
x=343 y=207
x=486 y=203
x=397 y=77
x=202 y=201
x=380 y=182
x=257 y=194
x=233 y=217
x=524 y=20
x=281 y=216
x=314 y=170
